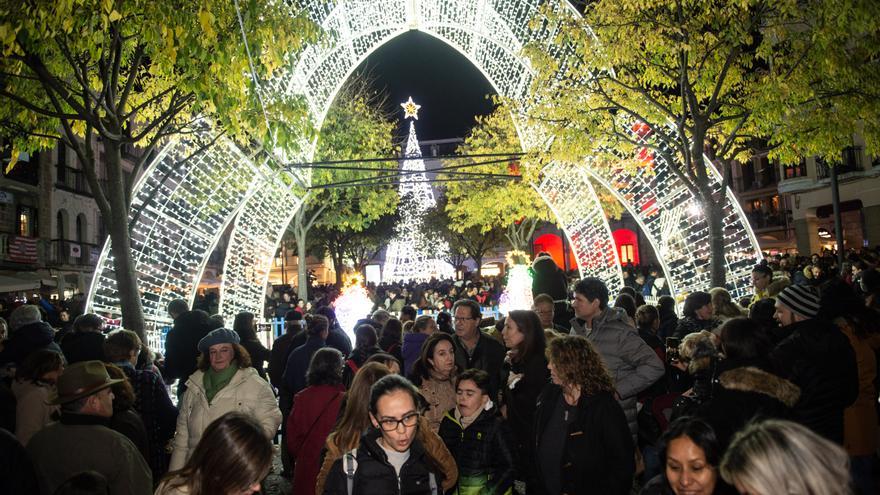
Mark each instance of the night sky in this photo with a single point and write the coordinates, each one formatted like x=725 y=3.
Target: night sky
x=449 y=88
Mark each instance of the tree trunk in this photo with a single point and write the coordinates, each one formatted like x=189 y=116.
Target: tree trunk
x=338 y=266
x=302 y=273
x=120 y=244
x=714 y=217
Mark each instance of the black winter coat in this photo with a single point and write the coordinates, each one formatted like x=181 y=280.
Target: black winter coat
x=488 y=356
x=482 y=452
x=551 y=280
x=746 y=393
x=354 y=361
x=83 y=346
x=521 y=402
x=182 y=346
x=598 y=455
x=259 y=355
x=27 y=339
x=375 y=475
x=817 y=357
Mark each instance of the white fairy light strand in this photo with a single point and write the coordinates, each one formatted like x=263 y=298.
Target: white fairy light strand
x=179 y=213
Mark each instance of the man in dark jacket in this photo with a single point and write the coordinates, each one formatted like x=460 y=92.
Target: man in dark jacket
x=81 y=441
x=633 y=365
x=336 y=337
x=474 y=349
x=551 y=280
x=281 y=349
x=86 y=341
x=817 y=357
x=182 y=342
x=298 y=362
x=28 y=333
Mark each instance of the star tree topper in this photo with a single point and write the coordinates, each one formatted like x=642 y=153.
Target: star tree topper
x=410 y=109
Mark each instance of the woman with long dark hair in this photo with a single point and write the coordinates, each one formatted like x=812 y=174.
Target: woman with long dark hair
x=356 y=418
x=314 y=413
x=390 y=457
x=434 y=372
x=527 y=376
x=232 y=458
x=392 y=338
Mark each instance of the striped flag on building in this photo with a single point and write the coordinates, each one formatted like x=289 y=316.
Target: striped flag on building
x=22 y=249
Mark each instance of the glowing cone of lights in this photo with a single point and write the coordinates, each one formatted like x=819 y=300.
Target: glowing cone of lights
x=352 y=305
x=518 y=293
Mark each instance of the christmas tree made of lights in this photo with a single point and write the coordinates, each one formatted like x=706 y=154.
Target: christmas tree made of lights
x=405 y=259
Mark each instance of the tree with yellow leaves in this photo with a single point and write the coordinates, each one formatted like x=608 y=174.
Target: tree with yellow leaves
x=712 y=76
x=140 y=73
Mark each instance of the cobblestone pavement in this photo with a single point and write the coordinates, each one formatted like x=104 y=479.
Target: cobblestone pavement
x=275 y=484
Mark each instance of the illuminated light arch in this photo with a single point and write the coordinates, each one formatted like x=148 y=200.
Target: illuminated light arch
x=180 y=210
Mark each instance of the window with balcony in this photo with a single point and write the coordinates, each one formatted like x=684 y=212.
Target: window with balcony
x=793 y=171
x=27 y=221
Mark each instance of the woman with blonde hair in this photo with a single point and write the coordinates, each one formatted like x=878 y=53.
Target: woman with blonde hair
x=778 y=456
x=356 y=418
x=581 y=432
x=723 y=306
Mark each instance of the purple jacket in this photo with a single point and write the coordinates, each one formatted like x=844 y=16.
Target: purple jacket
x=412 y=348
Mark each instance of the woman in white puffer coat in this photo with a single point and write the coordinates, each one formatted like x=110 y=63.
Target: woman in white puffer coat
x=224 y=382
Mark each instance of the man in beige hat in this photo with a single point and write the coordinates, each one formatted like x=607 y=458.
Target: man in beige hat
x=81 y=441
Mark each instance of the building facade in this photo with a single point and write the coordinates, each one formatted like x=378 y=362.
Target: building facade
x=51 y=231
x=789 y=205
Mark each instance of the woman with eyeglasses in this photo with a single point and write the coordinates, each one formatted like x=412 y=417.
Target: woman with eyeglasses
x=355 y=418
x=390 y=458
x=434 y=372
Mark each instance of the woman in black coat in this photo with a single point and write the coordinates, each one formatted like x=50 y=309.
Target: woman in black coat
x=245 y=326
x=389 y=458
x=527 y=375
x=478 y=438
x=582 y=438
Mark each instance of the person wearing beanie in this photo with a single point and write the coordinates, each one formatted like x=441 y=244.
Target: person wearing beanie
x=225 y=381
x=817 y=357
x=27 y=333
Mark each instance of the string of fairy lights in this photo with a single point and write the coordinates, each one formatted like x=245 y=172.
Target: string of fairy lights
x=182 y=207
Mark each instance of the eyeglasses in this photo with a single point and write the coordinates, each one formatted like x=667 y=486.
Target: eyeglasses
x=408 y=421
x=462 y=318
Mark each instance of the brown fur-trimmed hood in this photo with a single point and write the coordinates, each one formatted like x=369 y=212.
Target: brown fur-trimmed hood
x=751 y=379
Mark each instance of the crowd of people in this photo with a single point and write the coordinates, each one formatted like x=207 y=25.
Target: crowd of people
x=585 y=392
